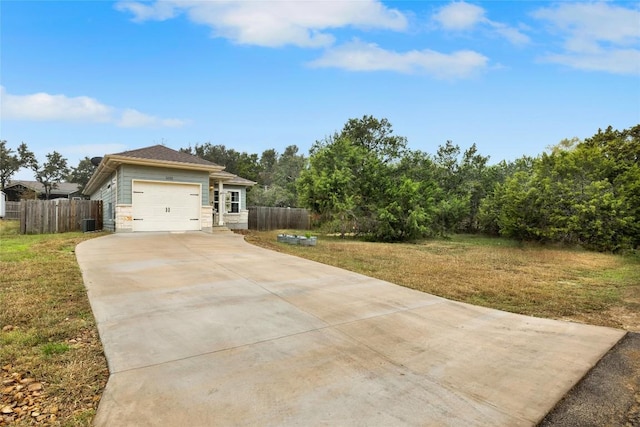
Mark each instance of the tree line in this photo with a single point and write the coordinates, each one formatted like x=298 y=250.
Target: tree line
x=364 y=181
x=50 y=173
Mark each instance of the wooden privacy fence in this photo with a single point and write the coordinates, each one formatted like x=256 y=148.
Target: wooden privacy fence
x=263 y=218
x=59 y=216
x=12 y=210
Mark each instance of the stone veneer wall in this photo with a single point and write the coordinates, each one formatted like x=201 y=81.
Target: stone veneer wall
x=237 y=221
x=206 y=218
x=124 y=218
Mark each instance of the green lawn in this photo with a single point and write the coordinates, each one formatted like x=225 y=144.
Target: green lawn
x=49 y=335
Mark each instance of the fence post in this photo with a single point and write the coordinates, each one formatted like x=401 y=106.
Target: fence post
x=23 y=219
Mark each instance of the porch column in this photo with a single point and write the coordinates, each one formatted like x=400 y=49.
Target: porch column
x=221 y=204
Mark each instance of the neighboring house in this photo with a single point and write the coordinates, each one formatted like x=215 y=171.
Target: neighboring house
x=17 y=190
x=160 y=189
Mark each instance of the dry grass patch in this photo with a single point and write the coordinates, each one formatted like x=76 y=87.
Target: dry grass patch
x=596 y=288
x=48 y=333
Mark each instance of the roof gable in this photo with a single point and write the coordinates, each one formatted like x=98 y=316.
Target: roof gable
x=153 y=156
x=160 y=152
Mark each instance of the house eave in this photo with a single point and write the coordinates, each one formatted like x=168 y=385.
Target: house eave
x=111 y=162
x=229 y=178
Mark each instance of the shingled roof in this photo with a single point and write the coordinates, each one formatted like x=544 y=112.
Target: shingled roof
x=160 y=152
x=65 y=188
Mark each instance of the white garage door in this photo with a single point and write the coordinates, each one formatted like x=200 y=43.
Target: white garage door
x=161 y=206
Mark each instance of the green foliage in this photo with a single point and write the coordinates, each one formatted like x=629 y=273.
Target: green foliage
x=406 y=214
x=81 y=173
x=275 y=174
x=11 y=161
x=235 y=162
x=465 y=180
x=581 y=193
x=329 y=185
x=51 y=172
x=364 y=181
x=360 y=181
x=277 y=178
x=375 y=136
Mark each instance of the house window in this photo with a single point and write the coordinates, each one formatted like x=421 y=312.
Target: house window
x=234 y=201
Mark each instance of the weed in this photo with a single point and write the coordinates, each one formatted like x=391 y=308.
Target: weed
x=54 y=348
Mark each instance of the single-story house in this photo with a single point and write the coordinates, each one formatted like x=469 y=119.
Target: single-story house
x=19 y=189
x=160 y=189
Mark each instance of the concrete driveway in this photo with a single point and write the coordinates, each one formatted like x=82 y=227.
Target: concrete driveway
x=205 y=329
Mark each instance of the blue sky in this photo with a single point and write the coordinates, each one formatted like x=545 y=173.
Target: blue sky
x=87 y=78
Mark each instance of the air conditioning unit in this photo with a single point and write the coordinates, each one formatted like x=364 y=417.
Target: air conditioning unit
x=88 y=225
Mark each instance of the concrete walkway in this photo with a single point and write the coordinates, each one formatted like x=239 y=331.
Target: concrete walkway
x=204 y=330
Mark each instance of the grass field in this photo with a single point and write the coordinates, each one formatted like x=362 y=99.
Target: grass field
x=53 y=369
x=559 y=283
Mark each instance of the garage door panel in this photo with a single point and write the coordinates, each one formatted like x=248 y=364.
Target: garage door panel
x=166 y=207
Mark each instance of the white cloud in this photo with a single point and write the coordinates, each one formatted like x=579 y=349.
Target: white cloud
x=462 y=16
x=359 y=56
x=513 y=35
x=596 y=36
x=46 y=107
x=617 y=61
x=134 y=119
x=273 y=23
x=159 y=11
x=43 y=106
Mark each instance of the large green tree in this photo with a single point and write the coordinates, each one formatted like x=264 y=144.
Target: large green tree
x=329 y=186
x=464 y=179
x=82 y=173
x=358 y=182
x=267 y=166
x=12 y=161
x=375 y=136
x=277 y=177
x=491 y=205
x=51 y=172
x=581 y=192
